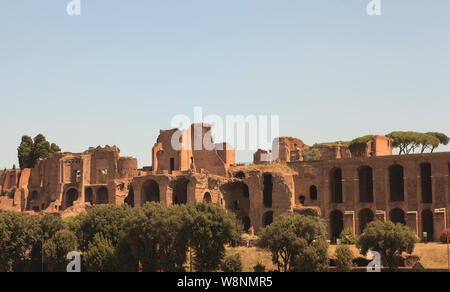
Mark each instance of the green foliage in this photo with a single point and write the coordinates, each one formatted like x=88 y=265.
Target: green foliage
x=155 y=236
x=208 y=229
x=56 y=249
x=18 y=234
x=232 y=264
x=358 y=146
x=29 y=150
x=409 y=142
x=290 y=236
x=259 y=268
x=100 y=256
x=344 y=259
x=105 y=219
x=389 y=239
x=312 y=257
x=311 y=154
x=348 y=236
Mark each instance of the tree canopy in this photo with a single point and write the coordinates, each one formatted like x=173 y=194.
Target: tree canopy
x=31 y=150
x=410 y=142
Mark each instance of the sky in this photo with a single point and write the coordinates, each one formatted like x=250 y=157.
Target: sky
x=119 y=72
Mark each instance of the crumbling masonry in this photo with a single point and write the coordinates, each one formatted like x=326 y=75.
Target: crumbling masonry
x=347 y=192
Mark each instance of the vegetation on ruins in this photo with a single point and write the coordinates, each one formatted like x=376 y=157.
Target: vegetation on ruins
x=410 y=142
x=296 y=242
x=310 y=154
x=358 y=146
x=344 y=259
x=31 y=150
x=389 y=239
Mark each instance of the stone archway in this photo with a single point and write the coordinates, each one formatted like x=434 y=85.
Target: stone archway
x=336 y=225
x=207 y=198
x=396 y=183
x=150 y=192
x=71 y=197
x=129 y=200
x=426 y=183
x=336 y=186
x=102 y=196
x=365 y=217
x=89 y=196
x=365 y=176
x=179 y=195
x=397 y=215
x=267 y=190
x=428 y=224
x=313 y=193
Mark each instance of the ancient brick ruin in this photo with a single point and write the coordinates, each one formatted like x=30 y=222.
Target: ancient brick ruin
x=347 y=192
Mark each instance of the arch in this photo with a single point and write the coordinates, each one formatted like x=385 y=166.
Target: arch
x=396 y=183
x=313 y=193
x=365 y=217
x=336 y=185
x=336 y=225
x=397 y=215
x=428 y=224
x=88 y=196
x=207 y=198
x=365 y=176
x=301 y=200
x=71 y=197
x=267 y=218
x=427 y=186
x=102 y=196
x=150 y=192
x=268 y=189
x=239 y=174
x=247 y=223
x=129 y=200
x=179 y=195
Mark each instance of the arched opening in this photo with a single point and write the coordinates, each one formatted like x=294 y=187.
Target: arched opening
x=427 y=187
x=71 y=197
x=313 y=193
x=365 y=217
x=336 y=225
x=89 y=196
x=365 y=175
x=397 y=216
x=396 y=183
x=336 y=185
x=267 y=218
x=129 y=200
x=247 y=223
x=102 y=196
x=237 y=199
x=207 y=198
x=301 y=200
x=267 y=191
x=32 y=199
x=428 y=224
x=239 y=174
x=150 y=192
x=180 y=191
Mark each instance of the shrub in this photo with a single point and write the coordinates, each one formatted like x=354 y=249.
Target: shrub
x=348 y=236
x=259 y=268
x=344 y=259
x=389 y=239
x=445 y=235
x=56 y=249
x=100 y=255
x=313 y=257
x=232 y=264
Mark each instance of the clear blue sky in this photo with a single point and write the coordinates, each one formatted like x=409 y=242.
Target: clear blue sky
x=119 y=72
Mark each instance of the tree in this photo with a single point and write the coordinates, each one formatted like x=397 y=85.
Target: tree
x=56 y=249
x=100 y=256
x=105 y=219
x=155 y=236
x=389 y=239
x=30 y=151
x=443 y=139
x=344 y=259
x=358 y=146
x=209 y=228
x=409 y=142
x=290 y=235
x=232 y=264
x=312 y=257
x=18 y=234
x=348 y=236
